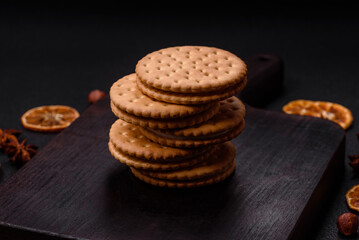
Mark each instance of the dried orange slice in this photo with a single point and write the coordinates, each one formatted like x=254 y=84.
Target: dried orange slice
x=51 y=118
x=352 y=197
x=327 y=110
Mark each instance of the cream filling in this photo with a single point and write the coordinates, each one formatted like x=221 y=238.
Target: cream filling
x=163 y=159
x=202 y=137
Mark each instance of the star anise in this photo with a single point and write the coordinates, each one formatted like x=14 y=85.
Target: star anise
x=19 y=152
x=5 y=134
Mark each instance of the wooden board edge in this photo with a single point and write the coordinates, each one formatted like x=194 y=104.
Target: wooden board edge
x=327 y=187
x=12 y=232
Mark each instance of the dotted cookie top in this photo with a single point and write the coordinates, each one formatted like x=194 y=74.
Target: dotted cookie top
x=126 y=96
x=190 y=69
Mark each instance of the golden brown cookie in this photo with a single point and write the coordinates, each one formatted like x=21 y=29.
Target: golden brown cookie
x=146 y=164
x=128 y=139
x=224 y=126
x=191 y=98
x=166 y=123
x=185 y=184
x=191 y=69
x=128 y=98
x=217 y=163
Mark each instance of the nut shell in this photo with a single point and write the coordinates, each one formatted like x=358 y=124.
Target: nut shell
x=348 y=224
x=95 y=95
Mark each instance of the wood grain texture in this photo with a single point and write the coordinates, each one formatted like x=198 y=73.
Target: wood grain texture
x=73 y=188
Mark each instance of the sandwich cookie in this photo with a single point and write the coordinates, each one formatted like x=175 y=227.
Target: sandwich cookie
x=193 y=98
x=178 y=74
x=218 y=166
x=131 y=105
x=130 y=147
x=224 y=126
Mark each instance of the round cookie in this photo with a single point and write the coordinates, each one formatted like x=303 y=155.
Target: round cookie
x=128 y=139
x=191 y=69
x=158 y=123
x=191 y=98
x=127 y=97
x=145 y=164
x=217 y=163
x=224 y=126
x=184 y=184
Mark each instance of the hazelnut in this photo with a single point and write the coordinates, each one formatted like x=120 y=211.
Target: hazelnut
x=95 y=95
x=348 y=224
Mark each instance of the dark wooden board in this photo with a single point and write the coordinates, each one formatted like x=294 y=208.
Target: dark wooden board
x=73 y=188
x=265 y=79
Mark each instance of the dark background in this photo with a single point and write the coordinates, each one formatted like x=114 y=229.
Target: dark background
x=57 y=53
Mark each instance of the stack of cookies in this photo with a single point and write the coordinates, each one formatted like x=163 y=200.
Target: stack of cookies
x=177 y=114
